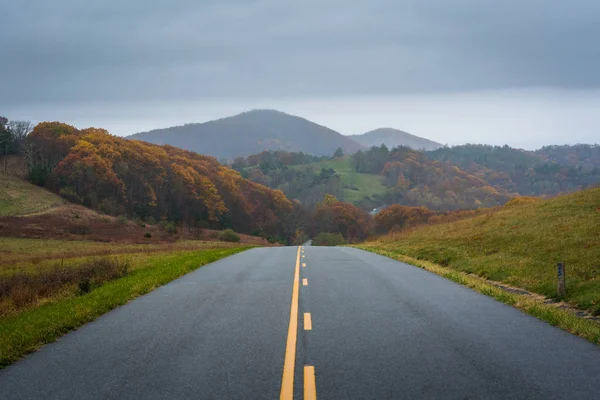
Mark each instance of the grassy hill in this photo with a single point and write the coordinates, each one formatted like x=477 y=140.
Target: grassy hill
x=518 y=244
x=19 y=197
x=356 y=185
x=250 y=133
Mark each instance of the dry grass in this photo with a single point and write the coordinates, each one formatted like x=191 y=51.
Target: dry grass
x=17 y=254
x=19 y=197
x=22 y=290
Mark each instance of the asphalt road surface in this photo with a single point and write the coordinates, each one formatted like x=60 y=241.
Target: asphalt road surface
x=379 y=329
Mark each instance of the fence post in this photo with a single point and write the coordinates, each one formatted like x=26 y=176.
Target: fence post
x=561 y=287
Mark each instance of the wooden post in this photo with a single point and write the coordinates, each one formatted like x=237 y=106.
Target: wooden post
x=561 y=287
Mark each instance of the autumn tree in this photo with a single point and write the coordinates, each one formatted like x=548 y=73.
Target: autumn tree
x=333 y=216
x=399 y=217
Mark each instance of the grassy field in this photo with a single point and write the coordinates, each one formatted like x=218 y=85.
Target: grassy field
x=22 y=254
x=18 y=197
x=358 y=185
x=63 y=304
x=518 y=244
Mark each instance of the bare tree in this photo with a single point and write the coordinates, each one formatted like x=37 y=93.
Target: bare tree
x=20 y=129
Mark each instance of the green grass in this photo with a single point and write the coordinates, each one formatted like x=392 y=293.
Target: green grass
x=518 y=244
x=18 y=197
x=30 y=329
x=532 y=305
x=362 y=184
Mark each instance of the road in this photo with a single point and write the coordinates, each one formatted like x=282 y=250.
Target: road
x=380 y=329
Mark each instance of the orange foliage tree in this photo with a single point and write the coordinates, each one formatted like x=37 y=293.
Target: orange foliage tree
x=398 y=217
x=334 y=216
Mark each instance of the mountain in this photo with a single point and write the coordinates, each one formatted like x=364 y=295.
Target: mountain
x=393 y=138
x=250 y=133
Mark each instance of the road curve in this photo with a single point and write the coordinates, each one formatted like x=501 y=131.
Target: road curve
x=379 y=329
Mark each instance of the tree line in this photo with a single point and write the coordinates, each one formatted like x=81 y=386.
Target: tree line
x=547 y=171
x=414 y=179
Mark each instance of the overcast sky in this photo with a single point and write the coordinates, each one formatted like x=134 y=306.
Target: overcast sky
x=522 y=72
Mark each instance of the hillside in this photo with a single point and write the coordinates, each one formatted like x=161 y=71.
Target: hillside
x=393 y=138
x=356 y=185
x=18 y=197
x=250 y=133
x=372 y=178
x=29 y=211
x=153 y=183
x=518 y=244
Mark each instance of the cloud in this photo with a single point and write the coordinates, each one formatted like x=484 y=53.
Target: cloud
x=70 y=50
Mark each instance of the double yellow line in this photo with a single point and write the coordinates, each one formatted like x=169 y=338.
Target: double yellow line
x=287 y=381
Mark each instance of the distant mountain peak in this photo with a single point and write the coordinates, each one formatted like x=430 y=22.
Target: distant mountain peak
x=392 y=137
x=252 y=132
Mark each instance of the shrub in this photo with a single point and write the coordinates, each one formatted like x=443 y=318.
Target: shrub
x=147 y=235
x=19 y=290
x=517 y=201
x=328 y=239
x=170 y=227
x=70 y=194
x=123 y=220
x=38 y=174
x=85 y=286
x=150 y=221
x=229 y=235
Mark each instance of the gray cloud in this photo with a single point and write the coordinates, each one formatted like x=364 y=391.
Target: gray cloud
x=72 y=50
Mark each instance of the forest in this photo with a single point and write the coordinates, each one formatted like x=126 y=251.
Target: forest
x=127 y=177
x=446 y=179
x=271 y=168
x=547 y=171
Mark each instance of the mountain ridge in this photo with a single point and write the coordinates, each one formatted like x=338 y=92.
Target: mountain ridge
x=251 y=132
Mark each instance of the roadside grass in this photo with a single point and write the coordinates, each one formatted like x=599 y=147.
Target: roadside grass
x=357 y=185
x=533 y=305
x=518 y=244
x=19 y=197
x=28 y=330
x=23 y=290
x=18 y=254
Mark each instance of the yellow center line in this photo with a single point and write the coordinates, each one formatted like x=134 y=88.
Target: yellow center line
x=310 y=387
x=303 y=265
x=307 y=322
x=305 y=281
x=287 y=381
